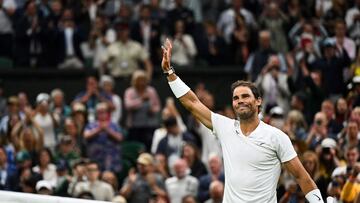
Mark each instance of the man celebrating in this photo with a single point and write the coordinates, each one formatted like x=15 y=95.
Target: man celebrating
x=252 y=150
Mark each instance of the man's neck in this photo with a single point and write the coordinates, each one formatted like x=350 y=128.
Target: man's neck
x=249 y=125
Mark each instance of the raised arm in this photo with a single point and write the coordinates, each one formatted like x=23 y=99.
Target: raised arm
x=187 y=97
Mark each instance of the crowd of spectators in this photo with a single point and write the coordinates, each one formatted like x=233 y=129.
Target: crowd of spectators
x=303 y=55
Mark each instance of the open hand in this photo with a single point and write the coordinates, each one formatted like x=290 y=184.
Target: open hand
x=166 y=49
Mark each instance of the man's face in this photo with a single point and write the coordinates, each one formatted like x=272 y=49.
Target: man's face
x=244 y=103
x=92 y=172
x=352 y=156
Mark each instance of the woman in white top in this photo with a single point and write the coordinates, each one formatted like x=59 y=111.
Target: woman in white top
x=184 y=49
x=45 y=167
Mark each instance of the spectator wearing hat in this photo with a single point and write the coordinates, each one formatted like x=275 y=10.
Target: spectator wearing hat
x=100 y=189
x=139 y=187
x=123 y=56
x=328 y=158
x=65 y=151
x=79 y=116
x=182 y=183
x=46 y=120
x=103 y=137
x=107 y=85
x=44 y=187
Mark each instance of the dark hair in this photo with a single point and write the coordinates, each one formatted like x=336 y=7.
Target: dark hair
x=250 y=85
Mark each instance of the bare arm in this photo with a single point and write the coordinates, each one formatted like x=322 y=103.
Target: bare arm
x=304 y=180
x=189 y=100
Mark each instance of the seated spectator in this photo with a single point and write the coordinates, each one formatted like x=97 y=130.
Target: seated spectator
x=24 y=179
x=63 y=179
x=101 y=190
x=77 y=139
x=65 y=151
x=184 y=49
x=350 y=137
x=216 y=191
x=182 y=183
x=295 y=126
x=215 y=173
x=102 y=138
x=139 y=187
x=240 y=41
x=44 y=187
x=79 y=116
x=189 y=199
x=351 y=155
x=78 y=175
x=171 y=145
x=318 y=131
x=6 y=169
x=190 y=153
x=328 y=108
x=110 y=177
x=45 y=167
x=168 y=111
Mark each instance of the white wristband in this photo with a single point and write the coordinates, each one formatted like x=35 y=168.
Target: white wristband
x=314 y=196
x=178 y=87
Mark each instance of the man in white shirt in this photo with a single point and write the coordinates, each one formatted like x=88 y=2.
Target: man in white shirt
x=182 y=184
x=252 y=150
